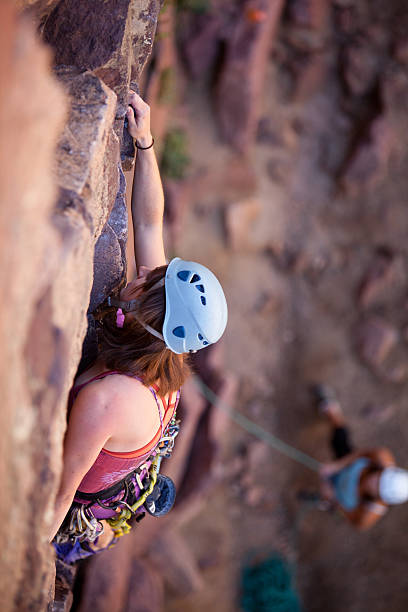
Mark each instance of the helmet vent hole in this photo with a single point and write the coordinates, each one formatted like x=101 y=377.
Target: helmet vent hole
x=195 y=278
x=200 y=288
x=179 y=331
x=203 y=300
x=200 y=337
x=183 y=275
x=205 y=343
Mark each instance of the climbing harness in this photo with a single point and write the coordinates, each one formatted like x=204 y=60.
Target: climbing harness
x=142 y=490
x=119 y=524
x=257 y=430
x=148 y=500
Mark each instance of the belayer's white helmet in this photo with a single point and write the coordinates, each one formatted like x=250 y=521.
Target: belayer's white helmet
x=196 y=308
x=393 y=485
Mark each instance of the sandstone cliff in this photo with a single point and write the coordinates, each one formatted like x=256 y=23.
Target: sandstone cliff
x=62 y=201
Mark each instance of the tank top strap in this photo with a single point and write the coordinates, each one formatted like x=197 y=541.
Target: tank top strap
x=156 y=397
x=78 y=388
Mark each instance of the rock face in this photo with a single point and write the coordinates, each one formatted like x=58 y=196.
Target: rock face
x=62 y=190
x=106 y=48
x=34 y=369
x=368 y=164
x=243 y=72
x=113 y=41
x=113 y=57
x=238 y=219
x=231 y=42
x=88 y=152
x=110 y=249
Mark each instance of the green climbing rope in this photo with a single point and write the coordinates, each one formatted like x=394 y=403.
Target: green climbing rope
x=256 y=429
x=267 y=587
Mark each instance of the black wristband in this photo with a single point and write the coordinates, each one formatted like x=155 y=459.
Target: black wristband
x=144 y=148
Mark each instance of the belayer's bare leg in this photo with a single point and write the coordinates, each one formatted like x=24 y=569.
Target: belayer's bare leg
x=329 y=406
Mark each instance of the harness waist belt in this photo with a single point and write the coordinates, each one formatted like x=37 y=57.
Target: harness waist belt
x=110 y=491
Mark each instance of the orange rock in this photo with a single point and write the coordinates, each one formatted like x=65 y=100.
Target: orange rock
x=254 y=15
x=238 y=219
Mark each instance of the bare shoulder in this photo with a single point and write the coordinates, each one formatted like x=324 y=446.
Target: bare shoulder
x=91 y=406
x=381 y=455
x=366 y=515
x=125 y=390
x=133 y=412
x=119 y=409
x=115 y=393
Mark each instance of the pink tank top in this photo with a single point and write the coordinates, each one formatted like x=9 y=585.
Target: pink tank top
x=110 y=466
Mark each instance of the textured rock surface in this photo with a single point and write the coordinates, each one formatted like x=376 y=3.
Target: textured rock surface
x=87 y=174
x=61 y=185
x=110 y=250
x=113 y=41
x=64 y=584
x=84 y=37
x=241 y=80
x=88 y=152
x=34 y=370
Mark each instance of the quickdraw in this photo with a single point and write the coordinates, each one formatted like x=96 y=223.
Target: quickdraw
x=119 y=524
x=82 y=526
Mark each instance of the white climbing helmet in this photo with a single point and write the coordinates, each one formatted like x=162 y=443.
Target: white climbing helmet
x=196 y=308
x=393 y=485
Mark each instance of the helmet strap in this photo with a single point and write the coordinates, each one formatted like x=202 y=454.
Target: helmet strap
x=131 y=307
x=147 y=327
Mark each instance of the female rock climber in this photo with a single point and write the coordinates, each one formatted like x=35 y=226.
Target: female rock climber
x=122 y=409
x=362 y=484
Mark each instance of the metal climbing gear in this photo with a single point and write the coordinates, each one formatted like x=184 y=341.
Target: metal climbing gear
x=120 y=523
x=82 y=526
x=127 y=497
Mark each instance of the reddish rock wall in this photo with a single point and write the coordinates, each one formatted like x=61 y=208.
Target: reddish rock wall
x=61 y=189
x=35 y=353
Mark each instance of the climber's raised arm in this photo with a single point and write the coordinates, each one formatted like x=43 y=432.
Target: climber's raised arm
x=147 y=192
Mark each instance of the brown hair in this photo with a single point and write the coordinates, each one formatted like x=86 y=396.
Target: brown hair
x=133 y=349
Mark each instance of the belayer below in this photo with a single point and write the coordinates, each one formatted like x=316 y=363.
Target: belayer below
x=361 y=484
x=122 y=410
